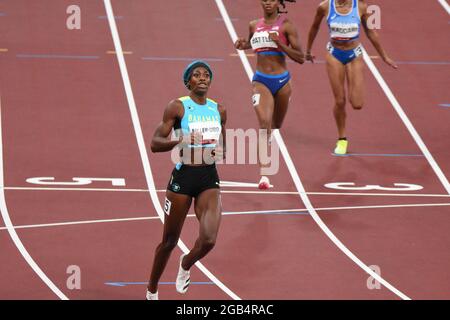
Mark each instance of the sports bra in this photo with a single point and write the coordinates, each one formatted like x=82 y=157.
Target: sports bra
x=260 y=41
x=344 y=27
x=200 y=118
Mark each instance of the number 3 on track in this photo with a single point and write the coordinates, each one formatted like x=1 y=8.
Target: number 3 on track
x=351 y=186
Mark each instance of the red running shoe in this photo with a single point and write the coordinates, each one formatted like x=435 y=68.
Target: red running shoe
x=264 y=183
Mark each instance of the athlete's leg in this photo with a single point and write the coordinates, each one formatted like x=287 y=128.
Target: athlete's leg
x=336 y=75
x=281 y=105
x=174 y=220
x=208 y=209
x=355 y=78
x=264 y=106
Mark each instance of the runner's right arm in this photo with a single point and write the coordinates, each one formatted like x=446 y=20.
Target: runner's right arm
x=244 y=44
x=161 y=141
x=320 y=14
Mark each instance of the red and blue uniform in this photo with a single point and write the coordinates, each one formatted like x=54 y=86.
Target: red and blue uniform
x=263 y=45
x=260 y=41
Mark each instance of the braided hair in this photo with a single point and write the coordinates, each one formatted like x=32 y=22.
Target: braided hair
x=282 y=2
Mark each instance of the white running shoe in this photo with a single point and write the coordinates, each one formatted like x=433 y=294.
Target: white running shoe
x=152 y=296
x=264 y=183
x=183 y=278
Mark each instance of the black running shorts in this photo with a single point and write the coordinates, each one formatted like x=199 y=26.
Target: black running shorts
x=193 y=180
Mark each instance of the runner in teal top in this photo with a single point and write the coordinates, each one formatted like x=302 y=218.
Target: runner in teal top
x=204 y=119
x=199 y=123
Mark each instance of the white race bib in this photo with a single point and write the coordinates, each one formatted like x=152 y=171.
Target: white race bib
x=344 y=31
x=209 y=129
x=261 y=40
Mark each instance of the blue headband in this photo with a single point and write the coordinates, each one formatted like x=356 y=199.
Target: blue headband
x=188 y=71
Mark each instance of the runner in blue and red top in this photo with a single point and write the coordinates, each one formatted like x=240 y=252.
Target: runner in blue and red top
x=272 y=38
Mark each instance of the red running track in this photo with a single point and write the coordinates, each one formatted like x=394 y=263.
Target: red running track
x=65 y=114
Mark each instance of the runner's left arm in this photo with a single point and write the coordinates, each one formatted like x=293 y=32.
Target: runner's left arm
x=373 y=36
x=294 y=50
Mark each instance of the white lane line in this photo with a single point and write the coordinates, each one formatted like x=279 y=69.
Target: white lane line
x=141 y=143
x=294 y=174
x=337 y=193
x=12 y=232
x=236 y=184
x=422 y=205
x=394 y=102
x=240 y=191
x=445 y=5
x=278 y=211
x=323 y=226
x=72 y=223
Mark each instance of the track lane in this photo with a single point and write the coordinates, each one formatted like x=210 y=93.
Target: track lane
x=137 y=73
x=423 y=87
x=343 y=169
x=17 y=279
x=65 y=117
x=374 y=121
x=319 y=285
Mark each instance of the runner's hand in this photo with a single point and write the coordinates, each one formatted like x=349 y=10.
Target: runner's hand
x=390 y=62
x=196 y=137
x=191 y=139
x=240 y=43
x=309 y=57
x=218 y=153
x=274 y=37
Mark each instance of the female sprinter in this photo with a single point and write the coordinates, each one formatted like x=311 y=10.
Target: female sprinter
x=272 y=38
x=200 y=122
x=344 y=56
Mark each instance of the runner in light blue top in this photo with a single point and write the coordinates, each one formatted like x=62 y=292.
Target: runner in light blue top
x=204 y=119
x=344 y=57
x=344 y=28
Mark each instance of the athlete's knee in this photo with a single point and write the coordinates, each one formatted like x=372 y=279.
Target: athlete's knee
x=357 y=106
x=265 y=124
x=340 y=103
x=169 y=243
x=208 y=245
x=276 y=124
